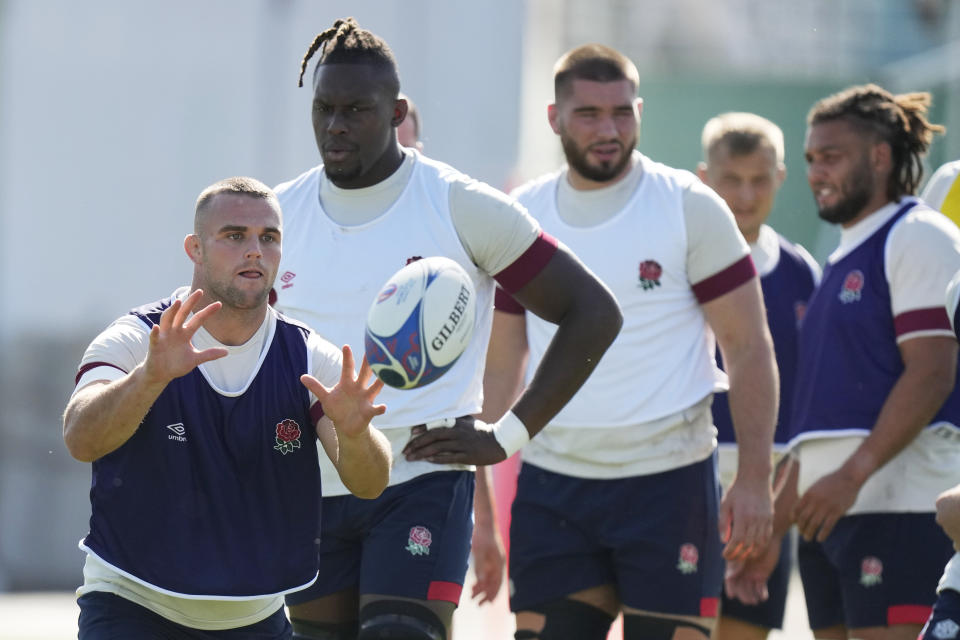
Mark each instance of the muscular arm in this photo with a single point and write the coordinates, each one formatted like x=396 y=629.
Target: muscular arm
x=739 y=322
x=566 y=293
x=103 y=415
x=588 y=317
x=928 y=377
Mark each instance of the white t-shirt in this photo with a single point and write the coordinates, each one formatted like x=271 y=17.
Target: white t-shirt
x=121 y=347
x=645 y=408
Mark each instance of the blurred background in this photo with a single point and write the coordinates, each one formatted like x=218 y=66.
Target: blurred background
x=114 y=115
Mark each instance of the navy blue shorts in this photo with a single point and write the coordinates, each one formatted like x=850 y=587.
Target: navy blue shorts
x=653 y=537
x=944 y=622
x=769 y=613
x=411 y=542
x=105 y=616
x=874 y=570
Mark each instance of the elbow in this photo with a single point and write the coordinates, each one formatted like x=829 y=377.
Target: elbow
x=77 y=446
x=77 y=449
x=610 y=317
x=370 y=490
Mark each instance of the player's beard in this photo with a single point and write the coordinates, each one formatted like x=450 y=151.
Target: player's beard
x=606 y=171
x=856 y=192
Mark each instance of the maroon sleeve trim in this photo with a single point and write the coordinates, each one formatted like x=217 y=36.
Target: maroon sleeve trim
x=316 y=412
x=503 y=301
x=529 y=264
x=932 y=318
x=725 y=281
x=93 y=365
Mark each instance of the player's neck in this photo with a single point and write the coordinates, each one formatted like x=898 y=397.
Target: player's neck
x=233 y=326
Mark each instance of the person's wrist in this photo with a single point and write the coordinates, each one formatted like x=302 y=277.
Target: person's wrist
x=510 y=433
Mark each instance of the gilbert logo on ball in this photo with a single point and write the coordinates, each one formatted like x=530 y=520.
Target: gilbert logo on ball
x=420 y=322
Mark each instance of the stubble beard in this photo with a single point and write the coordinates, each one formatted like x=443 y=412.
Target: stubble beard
x=858 y=189
x=605 y=172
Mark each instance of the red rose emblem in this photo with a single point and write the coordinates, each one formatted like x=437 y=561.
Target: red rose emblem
x=421 y=535
x=650 y=270
x=852 y=286
x=288 y=436
x=689 y=556
x=419 y=542
x=288 y=430
x=854 y=281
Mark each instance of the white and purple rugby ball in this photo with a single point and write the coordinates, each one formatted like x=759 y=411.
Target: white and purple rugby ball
x=420 y=322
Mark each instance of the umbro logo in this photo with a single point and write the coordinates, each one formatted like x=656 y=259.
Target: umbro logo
x=178 y=430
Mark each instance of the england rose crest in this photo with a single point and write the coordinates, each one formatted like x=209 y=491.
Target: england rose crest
x=419 y=542
x=689 y=557
x=650 y=272
x=288 y=436
x=871 y=571
x=852 y=286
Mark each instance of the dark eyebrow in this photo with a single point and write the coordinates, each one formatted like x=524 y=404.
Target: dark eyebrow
x=236 y=227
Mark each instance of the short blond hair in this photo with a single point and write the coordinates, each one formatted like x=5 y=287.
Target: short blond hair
x=238 y=185
x=741 y=133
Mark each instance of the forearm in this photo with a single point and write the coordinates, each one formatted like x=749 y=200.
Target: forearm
x=754 y=396
x=363 y=462
x=101 y=417
x=911 y=405
x=484 y=509
x=785 y=496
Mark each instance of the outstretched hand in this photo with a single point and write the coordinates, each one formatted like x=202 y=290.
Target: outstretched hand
x=171 y=354
x=349 y=403
x=469 y=441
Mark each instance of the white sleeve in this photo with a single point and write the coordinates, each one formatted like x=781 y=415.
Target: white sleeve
x=714 y=241
x=115 y=352
x=326 y=359
x=921 y=257
x=953 y=298
x=937 y=188
x=494 y=228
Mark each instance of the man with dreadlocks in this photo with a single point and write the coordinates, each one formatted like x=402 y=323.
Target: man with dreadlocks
x=393 y=568
x=876 y=415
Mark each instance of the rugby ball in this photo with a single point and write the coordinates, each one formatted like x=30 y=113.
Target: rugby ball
x=420 y=322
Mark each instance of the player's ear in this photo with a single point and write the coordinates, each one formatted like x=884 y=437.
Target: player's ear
x=639 y=104
x=191 y=244
x=781 y=173
x=702 y=172
x=399 y=112
x=553 y=117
